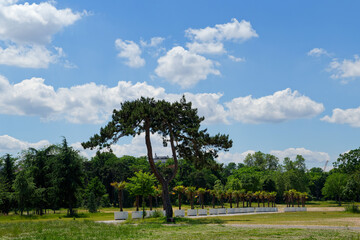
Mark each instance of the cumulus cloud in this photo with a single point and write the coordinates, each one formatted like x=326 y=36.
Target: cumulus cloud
x=349 y=116
x=91 y=103
x=184 y=68
x=236 y=59
x=26 y=29
x=312 y=158
x=227 y=157
x=27 y=57
x=346 y=69
x=317 y=52
x=136 y=147
x=207 y=47
x=281 y=106
x=209 y=40
x=131 y=52
x=12 y=145
x=154 y=42
x=233 y=30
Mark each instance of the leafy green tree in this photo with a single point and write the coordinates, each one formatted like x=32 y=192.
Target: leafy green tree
x=190 y=192
x=352 y=188
x=7 y=178
x=95 y=192
x=179 y=125
x=349 y=162
x=24 y=190
x=179 y=190
x=201 y=192
x=67 y=176
x=119 y=186
x=141 y=185
x=249 y=178
x=38 y=162
x=317 y=178
x=334 y=186
x=262 y=161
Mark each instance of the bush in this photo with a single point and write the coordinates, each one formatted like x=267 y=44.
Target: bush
x=157 y=214
x=352 y=208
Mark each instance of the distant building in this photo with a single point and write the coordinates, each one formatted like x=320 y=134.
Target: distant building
x=161 y=159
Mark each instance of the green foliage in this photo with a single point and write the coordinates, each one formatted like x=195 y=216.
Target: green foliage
x=349 y=162
x=92 y=203
x=94 y=193
x=141 y=184
x=24 y=190
x=67 y=176
x=334 y=186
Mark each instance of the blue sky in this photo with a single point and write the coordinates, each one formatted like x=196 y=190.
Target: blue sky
x=281 y=77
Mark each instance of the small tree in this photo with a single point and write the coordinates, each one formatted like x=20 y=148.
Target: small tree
x=24 y=190
x=179 y=190
x=119 y=186
x=213 y=194
x=201 y=192
x=229 y=194
x=141 y=185
x=191 y=191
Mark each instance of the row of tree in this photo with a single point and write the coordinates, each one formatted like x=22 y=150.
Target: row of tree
x=58 y=177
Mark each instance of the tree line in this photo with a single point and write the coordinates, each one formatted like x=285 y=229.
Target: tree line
x=57 y=176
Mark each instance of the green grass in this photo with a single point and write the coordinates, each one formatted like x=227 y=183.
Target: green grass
x=90 y=230
x=297 y=218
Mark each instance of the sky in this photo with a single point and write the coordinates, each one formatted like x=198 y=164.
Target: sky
x=281 y=77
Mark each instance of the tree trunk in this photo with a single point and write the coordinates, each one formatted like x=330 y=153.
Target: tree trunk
x=120 y=200
x=137 y=203
x=164 y=183
x=150 y=202
x=167 y=203
x=213 y=201
x=230 y=200
x=179 y=200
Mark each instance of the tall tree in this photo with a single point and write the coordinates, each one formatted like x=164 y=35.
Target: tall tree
x=179 y=125
x=24 y=190
x=67 y=176
x=334 y=186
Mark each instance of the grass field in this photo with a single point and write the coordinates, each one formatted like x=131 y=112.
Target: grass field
x=90 y=230
x=58 y=226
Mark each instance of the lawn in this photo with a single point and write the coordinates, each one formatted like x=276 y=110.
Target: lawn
x=75 y=229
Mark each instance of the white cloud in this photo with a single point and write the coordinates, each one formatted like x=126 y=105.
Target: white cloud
x=27 y=57
x=131 y=52
x=281 y=106
x=349 y=116
x=184 y=68
x=207 y=47
x=233 y=30
x=227 y=157
x=136 y=147
x=317 y=52
x=91 y=103
x=346 y=69
x=26 y=29
x=312 y=158
x=209 y=40
x=12 y=145
x=236 y=59
x=154 y=42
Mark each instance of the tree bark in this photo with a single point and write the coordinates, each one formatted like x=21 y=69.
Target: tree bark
x=164 y=183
